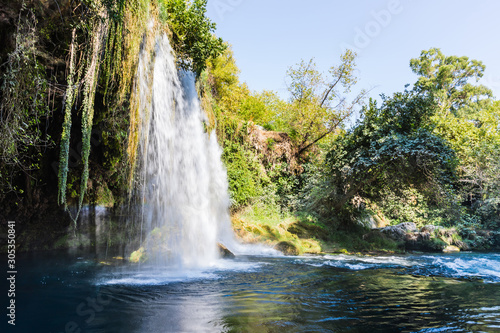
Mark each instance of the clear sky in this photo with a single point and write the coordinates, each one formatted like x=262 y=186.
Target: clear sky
x=269 y=36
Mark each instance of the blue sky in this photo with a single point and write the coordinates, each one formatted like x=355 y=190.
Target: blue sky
x=269 y=36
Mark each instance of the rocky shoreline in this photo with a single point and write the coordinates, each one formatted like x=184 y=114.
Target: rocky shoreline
x=431 y=238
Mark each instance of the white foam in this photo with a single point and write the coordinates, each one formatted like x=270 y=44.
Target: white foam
x=166 y=275
x=466 y=265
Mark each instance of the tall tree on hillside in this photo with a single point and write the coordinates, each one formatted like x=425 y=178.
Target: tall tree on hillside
x=469 y=119
x=318 y=104
x=447 y=79
x=391 y=152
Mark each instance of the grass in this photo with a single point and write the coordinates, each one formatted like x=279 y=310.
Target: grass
x=301 y=233
x=262 y=223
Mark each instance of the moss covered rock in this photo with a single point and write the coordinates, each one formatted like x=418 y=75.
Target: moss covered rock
x=138 y=256
x=287 y=248
x=451 y=249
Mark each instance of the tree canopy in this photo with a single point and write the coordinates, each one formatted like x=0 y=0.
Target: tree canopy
x=448 y=78
x=318 y=104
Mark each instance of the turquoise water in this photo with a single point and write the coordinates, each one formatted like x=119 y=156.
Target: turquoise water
x=413 y=293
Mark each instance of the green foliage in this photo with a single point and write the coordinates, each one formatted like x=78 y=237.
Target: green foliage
x=447 y=78
x=476 y=140
x=405 y=203
x=97 y=31
x=265 y=212
x=244 y=174
x=285 y=185
x=233 y=97
x=469 y=120
x=317 y=104
x=23 y=109
x=193 y=38
x=66 y=131
x=390 y=152
x=265 y=222
x=275 y=107
x=417 y=158
x=489 y=213
x=231 y=108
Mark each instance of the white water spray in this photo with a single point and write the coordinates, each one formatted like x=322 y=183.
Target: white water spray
x=184 y=184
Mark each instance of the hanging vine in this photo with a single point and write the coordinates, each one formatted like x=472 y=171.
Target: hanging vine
x=111 y=35
x=66 y=133
x=98 y=29
x=90 y=84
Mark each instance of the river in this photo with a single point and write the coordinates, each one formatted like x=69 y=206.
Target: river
x=332 y=293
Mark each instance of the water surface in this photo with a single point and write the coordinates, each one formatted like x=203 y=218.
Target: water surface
x=414 y=293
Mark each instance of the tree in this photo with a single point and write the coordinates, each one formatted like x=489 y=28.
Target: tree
x=390 y=148
x=468 y=119
x=233 y=96
x=318 y=105
x=447 y=78
x=192 y=31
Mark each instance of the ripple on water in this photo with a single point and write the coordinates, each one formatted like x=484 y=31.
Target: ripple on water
x=468 y=265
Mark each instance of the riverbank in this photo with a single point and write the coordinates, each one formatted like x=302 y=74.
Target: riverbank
x=301 y=234
x=101 y=227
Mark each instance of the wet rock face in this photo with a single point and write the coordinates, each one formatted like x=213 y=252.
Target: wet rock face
x=56 y=13
x=9 y=12
x=398 y=232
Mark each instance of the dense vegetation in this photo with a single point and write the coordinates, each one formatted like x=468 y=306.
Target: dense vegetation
x=70 y=128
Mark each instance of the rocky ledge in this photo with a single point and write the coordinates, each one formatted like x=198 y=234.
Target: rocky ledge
x=431 y=238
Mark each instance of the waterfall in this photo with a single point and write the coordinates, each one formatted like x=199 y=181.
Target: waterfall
x=183 y=184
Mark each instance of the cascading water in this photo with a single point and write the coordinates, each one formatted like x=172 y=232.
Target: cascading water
x=183 y=181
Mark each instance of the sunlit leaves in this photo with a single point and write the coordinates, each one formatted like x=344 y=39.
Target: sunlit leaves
x=317 y=104
x=390 y=150
x=194 y=41
x=447 y=78
x=468 y=119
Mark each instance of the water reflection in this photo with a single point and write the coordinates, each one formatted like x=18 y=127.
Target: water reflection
x=340 y=300
x=159 y=309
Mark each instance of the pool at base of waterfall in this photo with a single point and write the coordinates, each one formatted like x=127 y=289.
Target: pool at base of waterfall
x=332 y=293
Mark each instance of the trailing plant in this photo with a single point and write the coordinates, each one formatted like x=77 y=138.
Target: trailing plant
x=97 y=30
x=90 y=82
x=23 y=109
x=66 y=132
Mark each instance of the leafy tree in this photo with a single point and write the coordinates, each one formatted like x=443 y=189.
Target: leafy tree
x=233 y=96
x=318 y=105
x=244 y=175
x=192 y=32
x=226 y=86
x=469 y=120
x=447 y=79
x=390 y=149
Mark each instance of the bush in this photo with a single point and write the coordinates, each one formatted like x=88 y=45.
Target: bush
x=246 y=179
